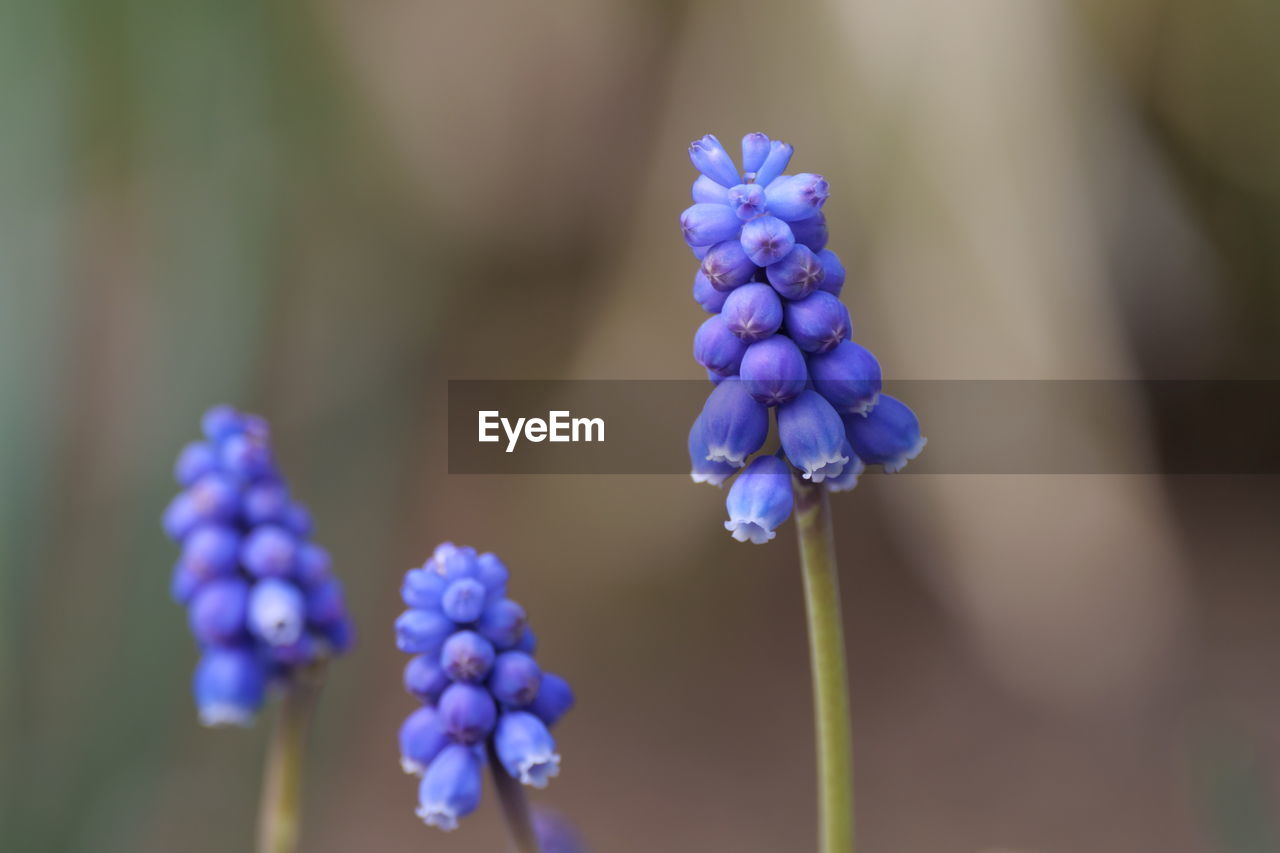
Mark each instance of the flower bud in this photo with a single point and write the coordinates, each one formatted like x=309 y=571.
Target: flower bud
x=422 y=589
x=775 y=163
x=450 y=787
x=313 y=566
x=515 y=679
x=752 y=312
x=277 y=612
x=716 y=348
x=422 y=631
x=707 y=191
x=848 y=376
x=422 y=738
x=726 y=266
x=811 y=232
x=747 y=200
x=503 y=624
x=797 y=274
x=817 y=323
x=734 y=424
x=812 y=436
x=702 y=469
x=710 y=158
x=759 y=500
x=269 y=551
x=325 y=603
x=833 y=278
x=888 y=435
x=554 y=699
x=211 y=550
x=526 y=749
x=755 y=148
x=467 y=712
x=218 y=611
x=766 y=239
x=425 y=678
x=221 y=422
x=463 y=600
x=266 y=502
x=493 y=573
x=706 y=295
x=196 y=459
x=773 y=370
x=229 y=686
x=796 y=197
x=467 y=656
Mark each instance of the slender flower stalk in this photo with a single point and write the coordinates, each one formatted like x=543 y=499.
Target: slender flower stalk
x=827 y=662
x=515 y=806
x=280 y=808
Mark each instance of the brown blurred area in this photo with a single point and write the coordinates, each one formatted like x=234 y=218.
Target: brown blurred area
x=323 y=211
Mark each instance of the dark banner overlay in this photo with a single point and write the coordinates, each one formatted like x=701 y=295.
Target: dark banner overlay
x=973 y=427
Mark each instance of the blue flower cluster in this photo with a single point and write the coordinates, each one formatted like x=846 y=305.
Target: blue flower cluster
x=261 y=599
x=474 y=670
x=779 y=338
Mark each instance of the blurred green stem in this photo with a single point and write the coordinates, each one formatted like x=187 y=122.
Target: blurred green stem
x=830 y=676
x=515 y=807
x=280 y=809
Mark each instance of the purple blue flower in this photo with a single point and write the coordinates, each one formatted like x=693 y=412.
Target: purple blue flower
x=888 y=435
x=779 y=337
x=481 y=687
x=262 y=603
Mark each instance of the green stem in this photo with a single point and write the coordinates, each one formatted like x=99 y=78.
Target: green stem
x=280 y=809
x=515 y=807
x=830 y=676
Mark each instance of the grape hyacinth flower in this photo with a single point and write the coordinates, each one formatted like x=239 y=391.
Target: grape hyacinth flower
x=778 y=336
x=485 y=698
x=779 y=339
x=262 y=603
x=255 y=589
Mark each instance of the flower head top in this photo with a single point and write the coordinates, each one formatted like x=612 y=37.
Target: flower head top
x=481 y=688
x=778 y=338
x=261 y=599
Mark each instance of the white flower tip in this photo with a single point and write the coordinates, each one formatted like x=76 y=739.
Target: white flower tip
x=827 y=470
x=413 y=768
x=896 y=464
x=864 y=408
x=720 y=454
x=438 y=816
x=224 y=714
x=749 y=530
x=536 y=772
x=715 y=478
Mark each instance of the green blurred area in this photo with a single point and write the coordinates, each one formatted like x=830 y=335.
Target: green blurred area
x=321 y=212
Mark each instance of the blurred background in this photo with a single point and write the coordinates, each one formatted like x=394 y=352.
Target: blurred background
x=322 y=211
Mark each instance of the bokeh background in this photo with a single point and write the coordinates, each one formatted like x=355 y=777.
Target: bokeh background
x=321 y=211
